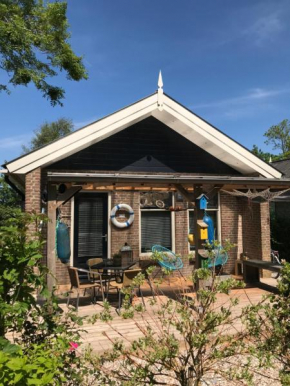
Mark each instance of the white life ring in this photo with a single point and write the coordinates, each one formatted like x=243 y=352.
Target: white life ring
x=124 y=224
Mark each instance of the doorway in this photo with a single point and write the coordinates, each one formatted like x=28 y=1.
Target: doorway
x=91 y=227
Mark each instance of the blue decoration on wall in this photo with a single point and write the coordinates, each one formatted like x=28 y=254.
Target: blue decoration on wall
x=202 y=201
x=62 y=242
x=208 y=220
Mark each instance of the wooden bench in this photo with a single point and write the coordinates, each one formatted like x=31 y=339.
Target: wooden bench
x=252 y=269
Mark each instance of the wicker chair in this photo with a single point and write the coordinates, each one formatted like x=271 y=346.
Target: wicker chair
x=168 y=259
x=93 y=271
x=128 y=277
x=75 y=283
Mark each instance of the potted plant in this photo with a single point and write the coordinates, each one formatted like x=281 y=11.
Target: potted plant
x=117 y=259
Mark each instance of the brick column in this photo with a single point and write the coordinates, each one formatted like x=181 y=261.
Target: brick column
x=229 y=208
x=265 y=235
x=265 y=231
x=33 y=191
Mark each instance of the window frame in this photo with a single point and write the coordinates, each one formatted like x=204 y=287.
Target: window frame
x=218 y=220
x=172 y=219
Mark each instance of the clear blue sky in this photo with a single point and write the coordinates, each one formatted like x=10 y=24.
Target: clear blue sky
x=228 y=61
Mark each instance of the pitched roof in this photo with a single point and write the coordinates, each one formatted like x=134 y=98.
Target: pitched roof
x=283 y=166
x=166 y=110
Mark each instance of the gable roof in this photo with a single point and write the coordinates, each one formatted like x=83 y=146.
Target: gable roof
x=166 y=110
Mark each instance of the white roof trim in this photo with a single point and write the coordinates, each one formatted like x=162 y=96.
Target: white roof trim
x=172 y=114
x=217 y=143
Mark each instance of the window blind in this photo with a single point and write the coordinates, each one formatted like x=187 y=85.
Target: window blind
x=155 y=230
x=90 y=227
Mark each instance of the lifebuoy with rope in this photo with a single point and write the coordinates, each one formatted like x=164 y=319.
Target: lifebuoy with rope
x=128 y=209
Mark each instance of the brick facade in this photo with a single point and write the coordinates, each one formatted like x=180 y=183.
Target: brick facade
x=246 y=226
x=119 y=236
x=33 y=191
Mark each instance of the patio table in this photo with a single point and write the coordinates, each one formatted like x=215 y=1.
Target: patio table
x=108 y=267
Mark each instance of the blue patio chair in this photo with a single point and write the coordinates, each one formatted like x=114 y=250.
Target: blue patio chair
x=221 y=257
x=168 y=259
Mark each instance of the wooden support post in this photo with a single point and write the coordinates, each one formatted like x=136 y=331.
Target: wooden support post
x=54 y=202
x=51 y=226
x=198 y=215
x=67 y=195
x=184 y=194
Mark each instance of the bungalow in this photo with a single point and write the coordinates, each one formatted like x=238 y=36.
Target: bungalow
x=155 y=157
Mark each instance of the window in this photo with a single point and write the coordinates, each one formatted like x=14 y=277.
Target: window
x=212 y=211
x=156 y=220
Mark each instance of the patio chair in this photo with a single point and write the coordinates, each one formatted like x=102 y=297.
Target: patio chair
x=75 y=283
x=94 y=272
x=168 y=259
x=128 y=277
x=221 y=257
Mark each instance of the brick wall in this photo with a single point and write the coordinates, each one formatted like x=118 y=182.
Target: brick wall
x=229 y=207
x=119 y=236
x=248 y=226
x=33 y=191
x=181 y=240
x=33 y=196
x=245 y=225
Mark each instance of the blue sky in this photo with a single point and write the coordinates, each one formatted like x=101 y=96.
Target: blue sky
x=228 y=61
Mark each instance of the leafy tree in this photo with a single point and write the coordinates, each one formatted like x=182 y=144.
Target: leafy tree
x=265 y=156
x=34 y=46
x=268 y=323
x=187 y=340
x=279 y=136
x=43 y=340
x=49 y=132
x=9 y=202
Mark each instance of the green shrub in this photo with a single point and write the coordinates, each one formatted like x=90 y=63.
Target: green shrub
x=43 y=350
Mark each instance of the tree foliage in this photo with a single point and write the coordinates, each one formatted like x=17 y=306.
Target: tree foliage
x=34 y=46
x=268 y=324
x=279 y=136
x=9 y=202
x=265 y=156
x=49 y=132
x=43 y=340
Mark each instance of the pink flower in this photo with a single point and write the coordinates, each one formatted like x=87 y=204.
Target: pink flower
x=73 y=346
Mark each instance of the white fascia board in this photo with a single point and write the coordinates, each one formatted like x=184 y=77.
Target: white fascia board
x=215 y=142
x=85 y=137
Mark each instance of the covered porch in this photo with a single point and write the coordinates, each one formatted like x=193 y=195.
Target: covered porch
x=242 y=221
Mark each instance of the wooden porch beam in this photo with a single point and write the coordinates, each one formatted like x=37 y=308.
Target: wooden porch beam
x=55 y=201
x=51 y=226
x=67 y=195
x=184 y=194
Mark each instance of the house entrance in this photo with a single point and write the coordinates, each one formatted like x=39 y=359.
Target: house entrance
x=91 y=227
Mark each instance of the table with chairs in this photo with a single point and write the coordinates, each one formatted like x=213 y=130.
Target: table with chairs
x=105 y=275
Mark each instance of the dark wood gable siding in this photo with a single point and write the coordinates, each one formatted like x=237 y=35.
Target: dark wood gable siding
x=148 y=146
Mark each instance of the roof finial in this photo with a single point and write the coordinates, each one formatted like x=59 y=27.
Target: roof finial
x=270 y=160
x=160 y=92
x=160 y=81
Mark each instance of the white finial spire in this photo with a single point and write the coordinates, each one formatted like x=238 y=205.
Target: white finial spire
x=160 y=92
x=270 y=160
x=160 y=81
